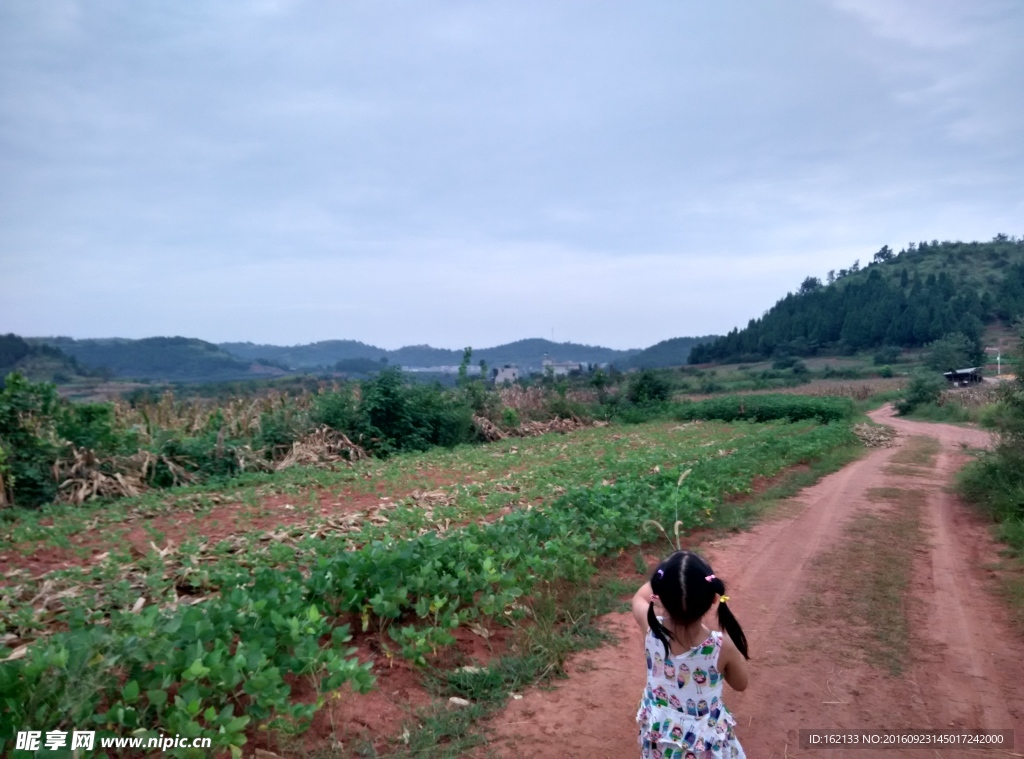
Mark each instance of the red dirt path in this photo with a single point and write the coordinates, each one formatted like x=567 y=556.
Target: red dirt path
x=965 y=668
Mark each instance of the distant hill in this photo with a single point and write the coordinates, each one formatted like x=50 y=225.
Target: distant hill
x=325 y=353
x=672 y=352
x=523 y=353
x=41 y=363
x=163 y=358
x=184 y=359
x=905 y=299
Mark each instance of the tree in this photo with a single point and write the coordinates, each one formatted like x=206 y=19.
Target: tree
x=883 y=255
x=954 y=351
x=831 y=276
x=810 y=285
x=467 y=356
x=600 y=381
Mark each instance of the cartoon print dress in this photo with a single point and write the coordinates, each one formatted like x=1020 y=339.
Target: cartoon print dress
x=681 y=714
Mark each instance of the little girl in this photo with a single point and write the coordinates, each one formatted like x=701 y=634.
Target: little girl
x=681 y=714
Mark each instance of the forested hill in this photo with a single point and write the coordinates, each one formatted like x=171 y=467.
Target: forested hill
x=904 y=299
x=41 y=363
x=165 y=358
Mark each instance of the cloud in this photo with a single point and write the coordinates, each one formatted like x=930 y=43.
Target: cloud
x=298 y=171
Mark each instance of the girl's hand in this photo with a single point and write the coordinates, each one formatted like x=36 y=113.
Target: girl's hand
x=641 y=603
x=732 y=664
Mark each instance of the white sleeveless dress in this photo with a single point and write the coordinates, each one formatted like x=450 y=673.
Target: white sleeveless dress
x=681 y=714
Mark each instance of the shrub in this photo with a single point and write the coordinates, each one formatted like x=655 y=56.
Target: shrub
x=510 y=417
x=279 y=428
x=337 y=409
x=29 y=440
x=399 y=417
x=887 y=356
x=924 y=388
x=649 y=386
x=93 y=425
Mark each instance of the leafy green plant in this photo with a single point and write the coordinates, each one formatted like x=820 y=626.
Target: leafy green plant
x=649 y=386
x=924 y=389
x=29 y=438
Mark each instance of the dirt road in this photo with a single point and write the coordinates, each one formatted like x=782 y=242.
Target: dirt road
x=954 y=663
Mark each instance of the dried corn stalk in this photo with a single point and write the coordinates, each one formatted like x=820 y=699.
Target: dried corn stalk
x=874 y=436
x=323 y=446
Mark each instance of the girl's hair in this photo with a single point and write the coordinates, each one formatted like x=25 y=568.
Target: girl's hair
x=686 y=586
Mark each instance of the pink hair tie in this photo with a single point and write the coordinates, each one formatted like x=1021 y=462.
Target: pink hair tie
x=709 y=578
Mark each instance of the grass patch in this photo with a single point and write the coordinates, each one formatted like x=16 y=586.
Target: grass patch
x=859 y=588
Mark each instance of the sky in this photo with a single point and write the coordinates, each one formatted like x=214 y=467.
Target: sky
x=470 y=173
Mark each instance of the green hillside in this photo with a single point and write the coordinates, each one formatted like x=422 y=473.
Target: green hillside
x=672 y=352
x=162 y=358
x=905 y=299
x=40 y=363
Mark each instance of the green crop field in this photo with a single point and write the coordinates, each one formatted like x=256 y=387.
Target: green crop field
x=203 y=610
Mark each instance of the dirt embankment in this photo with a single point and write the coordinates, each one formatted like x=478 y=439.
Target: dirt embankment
x=946 y=658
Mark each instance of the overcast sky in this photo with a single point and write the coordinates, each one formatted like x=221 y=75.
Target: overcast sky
x=477 y=172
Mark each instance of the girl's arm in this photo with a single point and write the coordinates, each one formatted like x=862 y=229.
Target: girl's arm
x=732 y=664
x=641 y=603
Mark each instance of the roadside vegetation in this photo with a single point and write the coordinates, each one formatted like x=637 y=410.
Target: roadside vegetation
x=996 y=479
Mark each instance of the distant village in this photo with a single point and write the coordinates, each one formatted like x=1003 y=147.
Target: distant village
x=510 y=373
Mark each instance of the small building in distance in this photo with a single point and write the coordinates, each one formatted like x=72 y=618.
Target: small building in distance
x=561 y=368
x=507 y=373
x=964 y=377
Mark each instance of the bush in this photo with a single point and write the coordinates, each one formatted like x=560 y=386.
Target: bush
x=649 y=386
x=397 y=417
x=93 y=425
x=29 y=440
x=337 y=409
x=281 y=427
x=887 y=356
x=510 y=417
x=923 y=389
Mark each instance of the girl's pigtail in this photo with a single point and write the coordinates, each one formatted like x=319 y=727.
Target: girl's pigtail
x=732 y=627
x=659 y=630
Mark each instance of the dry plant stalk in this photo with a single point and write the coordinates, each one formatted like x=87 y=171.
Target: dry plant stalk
x=874 y=436
x=323 y=446
x=491 y=432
